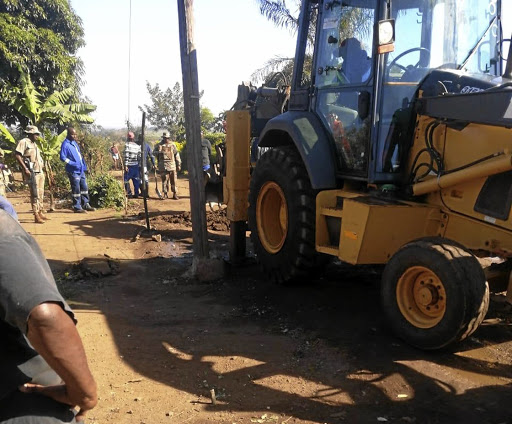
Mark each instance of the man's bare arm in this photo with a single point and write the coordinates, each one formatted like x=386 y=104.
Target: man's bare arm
x=54 y=336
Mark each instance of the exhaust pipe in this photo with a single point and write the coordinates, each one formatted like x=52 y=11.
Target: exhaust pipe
x=508 y=68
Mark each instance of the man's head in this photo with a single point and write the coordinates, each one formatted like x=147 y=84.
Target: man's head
x=349 y=47
x=71 y=134
x=165 y=136
x=130 y=136
x=32 y=132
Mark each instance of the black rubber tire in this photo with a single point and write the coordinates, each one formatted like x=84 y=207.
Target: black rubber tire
x=297 y=257
x=467 y=292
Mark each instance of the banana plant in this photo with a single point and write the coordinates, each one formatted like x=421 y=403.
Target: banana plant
x=57 y=109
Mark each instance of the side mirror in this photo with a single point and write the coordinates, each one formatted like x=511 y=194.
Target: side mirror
x=386 y=36
x=363 y=105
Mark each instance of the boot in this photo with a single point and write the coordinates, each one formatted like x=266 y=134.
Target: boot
x=43 y=216
x=38 y=219
x=175 y=197
x=89 y=208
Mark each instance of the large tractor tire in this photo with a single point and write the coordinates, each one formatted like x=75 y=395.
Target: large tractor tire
x=434 y=293
x=282 y=216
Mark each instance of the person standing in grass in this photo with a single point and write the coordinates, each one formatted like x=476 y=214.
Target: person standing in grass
x=75 y=168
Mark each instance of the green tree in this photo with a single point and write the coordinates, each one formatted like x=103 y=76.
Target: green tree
x=167 y=109
x=41 y=37
x=207 y=120
x=278 y=12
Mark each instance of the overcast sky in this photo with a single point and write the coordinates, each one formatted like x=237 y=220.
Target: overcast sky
x=231 y=37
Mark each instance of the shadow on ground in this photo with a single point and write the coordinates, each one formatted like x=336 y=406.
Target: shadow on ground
x=317 y=352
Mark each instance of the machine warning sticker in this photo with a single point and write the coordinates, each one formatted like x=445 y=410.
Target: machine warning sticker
x=490 y=219
x=330 y=23
x=350 y=235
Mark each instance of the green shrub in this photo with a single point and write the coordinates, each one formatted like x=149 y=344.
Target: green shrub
x=105 y=192
x=60 y=176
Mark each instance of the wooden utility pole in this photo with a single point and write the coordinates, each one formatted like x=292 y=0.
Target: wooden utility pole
x=145 y=190
x=193 y=127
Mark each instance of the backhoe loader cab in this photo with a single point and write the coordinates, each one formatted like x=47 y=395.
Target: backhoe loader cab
x=395 y=149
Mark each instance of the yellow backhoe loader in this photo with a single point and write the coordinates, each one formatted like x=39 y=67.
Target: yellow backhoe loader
x=394 y=149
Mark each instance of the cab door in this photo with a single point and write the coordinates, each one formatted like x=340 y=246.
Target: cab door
x=344 y=68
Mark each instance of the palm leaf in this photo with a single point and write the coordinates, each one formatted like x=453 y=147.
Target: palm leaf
x=277 y=12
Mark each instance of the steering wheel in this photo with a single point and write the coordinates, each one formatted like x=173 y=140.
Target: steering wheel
x=410 y=67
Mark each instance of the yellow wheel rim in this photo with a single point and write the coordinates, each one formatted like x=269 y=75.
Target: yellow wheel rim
x=272 y=217
x=421 y=297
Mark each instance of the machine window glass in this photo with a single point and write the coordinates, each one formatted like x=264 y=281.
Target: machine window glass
x=349 y=131
x=451 y=34
x=345 y=43
x=456 y=34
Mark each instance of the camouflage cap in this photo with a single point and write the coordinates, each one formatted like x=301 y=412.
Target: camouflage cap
x=165 y=135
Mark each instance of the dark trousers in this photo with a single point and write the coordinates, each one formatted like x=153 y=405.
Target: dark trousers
x=134 y=175
x=79 y=190
x=31 y=408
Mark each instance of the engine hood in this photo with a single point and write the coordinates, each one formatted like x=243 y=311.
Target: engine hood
x=443 y=81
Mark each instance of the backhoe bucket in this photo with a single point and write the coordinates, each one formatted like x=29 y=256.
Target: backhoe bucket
x=213 y=187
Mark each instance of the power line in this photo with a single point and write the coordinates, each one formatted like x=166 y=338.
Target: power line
x=129 y=63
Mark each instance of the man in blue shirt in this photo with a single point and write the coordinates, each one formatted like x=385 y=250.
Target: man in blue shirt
x=75 y=168
x=7 y=206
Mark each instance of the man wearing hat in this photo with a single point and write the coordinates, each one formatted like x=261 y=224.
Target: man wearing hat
x=169 y=162
x=31 y=162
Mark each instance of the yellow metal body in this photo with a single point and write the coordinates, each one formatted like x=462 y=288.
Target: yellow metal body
x=360 y=229
x=458 y=194
x=371 y=231
x=236 y=181
x=502 y=163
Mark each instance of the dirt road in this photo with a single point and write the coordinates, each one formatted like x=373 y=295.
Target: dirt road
x=160 y=342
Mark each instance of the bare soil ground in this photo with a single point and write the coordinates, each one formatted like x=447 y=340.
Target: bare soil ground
x=160 y=342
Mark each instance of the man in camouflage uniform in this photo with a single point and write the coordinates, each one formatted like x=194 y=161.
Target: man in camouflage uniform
x=169 y=163
x=31 y=162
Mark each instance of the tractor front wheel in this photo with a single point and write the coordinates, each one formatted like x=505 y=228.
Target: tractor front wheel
x=434 y=293
x=282 y=215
